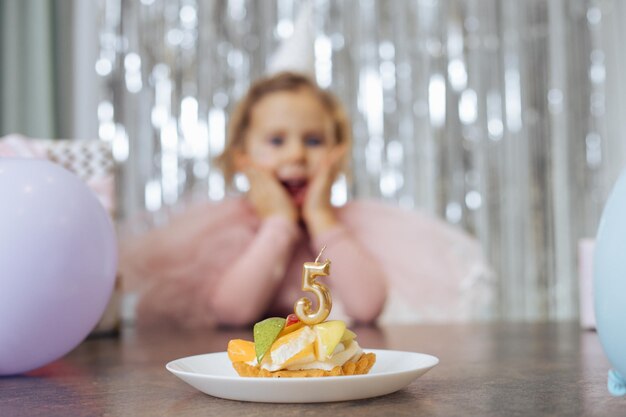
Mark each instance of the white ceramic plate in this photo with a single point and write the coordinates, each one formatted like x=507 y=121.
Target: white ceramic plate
x=213 y=374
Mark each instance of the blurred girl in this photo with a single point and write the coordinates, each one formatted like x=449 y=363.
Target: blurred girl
x=240 y=260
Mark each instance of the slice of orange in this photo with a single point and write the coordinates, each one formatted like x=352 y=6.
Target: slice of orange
x=304 y=356
x=241 y=350
x=290 y=329
x=288 y=346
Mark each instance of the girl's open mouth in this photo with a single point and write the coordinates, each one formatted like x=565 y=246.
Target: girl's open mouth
x=296 y=189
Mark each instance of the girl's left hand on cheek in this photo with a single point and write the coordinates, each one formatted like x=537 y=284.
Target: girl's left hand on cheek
x=317 y=211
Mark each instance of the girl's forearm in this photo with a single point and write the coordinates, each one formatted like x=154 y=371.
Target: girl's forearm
x=245 y=290
x=355 y=276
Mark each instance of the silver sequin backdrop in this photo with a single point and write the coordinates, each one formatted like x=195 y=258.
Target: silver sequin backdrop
x=503 y=117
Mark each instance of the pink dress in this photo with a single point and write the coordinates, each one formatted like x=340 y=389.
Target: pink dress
x=220 y=263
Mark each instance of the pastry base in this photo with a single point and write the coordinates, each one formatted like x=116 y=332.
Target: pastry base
x=360 y=367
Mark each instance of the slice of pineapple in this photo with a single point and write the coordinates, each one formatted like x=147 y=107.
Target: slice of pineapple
x=328 y=336
x=347 y=336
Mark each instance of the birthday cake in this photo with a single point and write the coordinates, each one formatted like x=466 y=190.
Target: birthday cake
x=304 y=344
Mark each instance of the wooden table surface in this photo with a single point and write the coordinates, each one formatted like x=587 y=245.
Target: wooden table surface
x=484 y=370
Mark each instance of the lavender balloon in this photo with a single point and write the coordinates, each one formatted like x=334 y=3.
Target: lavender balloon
x=58 y=260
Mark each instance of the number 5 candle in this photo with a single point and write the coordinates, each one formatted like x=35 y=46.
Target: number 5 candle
x=302 y=307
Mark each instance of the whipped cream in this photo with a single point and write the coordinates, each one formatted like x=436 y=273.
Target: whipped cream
x=342 y=354
x=349 y=351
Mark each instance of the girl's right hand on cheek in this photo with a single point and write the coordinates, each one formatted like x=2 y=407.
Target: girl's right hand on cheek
x=267 y=195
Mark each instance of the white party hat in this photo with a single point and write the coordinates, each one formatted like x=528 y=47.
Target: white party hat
x=297 y=53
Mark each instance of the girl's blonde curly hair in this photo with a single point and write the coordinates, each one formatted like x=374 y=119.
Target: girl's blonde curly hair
x=284 y=81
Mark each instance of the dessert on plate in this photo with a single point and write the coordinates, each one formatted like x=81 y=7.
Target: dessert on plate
x=304 y=344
